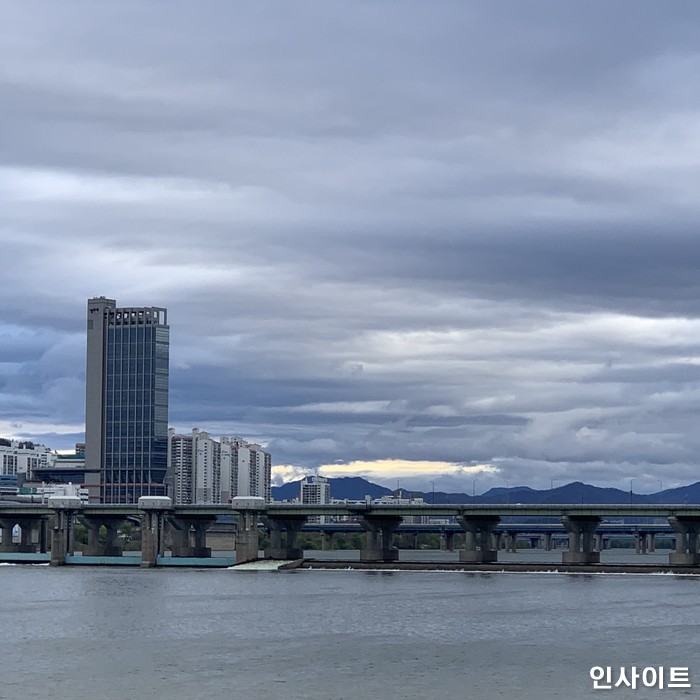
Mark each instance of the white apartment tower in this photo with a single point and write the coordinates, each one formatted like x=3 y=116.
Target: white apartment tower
x=215 y=471
x=315 y=490
x=180 y=461
x=23 y=457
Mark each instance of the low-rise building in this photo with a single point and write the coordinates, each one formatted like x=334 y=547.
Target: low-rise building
x=401 y=500
x=66 y=468
x=40 y=492
x=22 y=457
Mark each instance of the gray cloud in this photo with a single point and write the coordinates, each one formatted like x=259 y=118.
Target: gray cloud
x=452 y=232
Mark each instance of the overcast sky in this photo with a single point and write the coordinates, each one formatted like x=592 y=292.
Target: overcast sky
x=427 y=241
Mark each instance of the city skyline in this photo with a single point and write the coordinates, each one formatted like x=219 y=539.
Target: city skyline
x=467 y=251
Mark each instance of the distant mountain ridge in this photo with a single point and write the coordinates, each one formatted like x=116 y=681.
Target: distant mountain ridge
x=355 y=488
x=343 y=487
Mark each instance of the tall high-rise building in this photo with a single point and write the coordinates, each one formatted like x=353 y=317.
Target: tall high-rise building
x=181 y=463
x=126 y=404
x=206 y=470
x=315 y=490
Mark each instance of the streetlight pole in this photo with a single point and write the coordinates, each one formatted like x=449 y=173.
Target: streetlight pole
x=631 y=491
x=474 y=487
x=433 y=483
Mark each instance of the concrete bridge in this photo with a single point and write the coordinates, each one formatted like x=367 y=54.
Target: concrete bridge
x=506 y=535
x=187 y=526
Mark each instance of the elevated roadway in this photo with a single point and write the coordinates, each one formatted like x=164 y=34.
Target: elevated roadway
x=481 y=525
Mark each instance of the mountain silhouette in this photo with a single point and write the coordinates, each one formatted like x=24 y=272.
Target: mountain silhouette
x=355 y=488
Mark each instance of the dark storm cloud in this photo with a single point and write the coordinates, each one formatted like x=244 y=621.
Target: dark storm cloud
x=452 y=232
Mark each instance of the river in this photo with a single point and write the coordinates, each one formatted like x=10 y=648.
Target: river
x=116 y=633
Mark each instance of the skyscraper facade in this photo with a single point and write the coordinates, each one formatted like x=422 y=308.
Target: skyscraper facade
x=126 y=405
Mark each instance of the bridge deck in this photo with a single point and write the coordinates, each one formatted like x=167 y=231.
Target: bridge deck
x=438 y=510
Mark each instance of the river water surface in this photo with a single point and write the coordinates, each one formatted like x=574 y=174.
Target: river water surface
x=103 y=633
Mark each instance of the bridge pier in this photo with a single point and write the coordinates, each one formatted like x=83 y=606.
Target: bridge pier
x=651 y=542
x=447 y=541
x=548 y=541
x=6 y=527
x=153 y=528
x=640 y=542
x=27 y=525
x=62 y=535
x=686 y=529
x=110 y=547
x=478 y=540
x=189 y=535
x=283 y=536
x=44 y=535
x=152 y=537
x=26 y=528
x=512 y=541
x=247 y=544
x=378 y=543
x=581 y=529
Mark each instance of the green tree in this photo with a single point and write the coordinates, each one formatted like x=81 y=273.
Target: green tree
x=79 y=534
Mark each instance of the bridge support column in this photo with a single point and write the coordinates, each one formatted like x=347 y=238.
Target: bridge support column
x=179 y=533
x=512 y=542
x=43 y=535
x=6 y=527
x=152 y=537
x=25 y=544
x=548 y=541
x=200 y=538
x=478 y=544
x=651 y=542
x=283 y=537
x=247 y=545
x=110 y=547
x=378 y=544
x=184 y=529
x=26 y=528
x=640 y=542
x=581 y=529
x=62 y=536
x=686 y=529
x=598 y=542
x=447 y=540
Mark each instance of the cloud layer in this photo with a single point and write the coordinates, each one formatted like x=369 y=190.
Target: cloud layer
x=454 y=233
